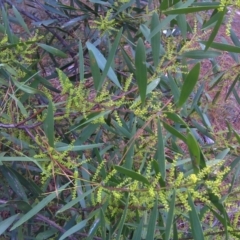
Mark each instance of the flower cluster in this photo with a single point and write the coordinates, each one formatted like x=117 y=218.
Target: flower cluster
x=142 y=196
x=106 y=24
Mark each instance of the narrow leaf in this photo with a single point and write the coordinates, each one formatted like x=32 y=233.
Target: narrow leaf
x=176 y=118
x=94 y=70
x=52 y=50
x=174 y=87
x=38 y=207
x=7 y=29
x=73 y=21
x=216 y=28
x=152 y=222
x=141 y=69
x=236 y=96
x=189 y=84
x=191 y=9
x=122 y=220
x=25 y=88
x=235 y=175
x=234 y=38
x=48 y=124
x=219 y=205
x=110 y=59
x=194 y=151
x=211 y=22
x=74 y=229
x=132 y=174
x=174 y=132
x=130 y=149
x=197 y=97
x=200 y=54
x=46 y=234
x=232 y=86
x=93 y=229
x=155 y=40
x=91 y=118
x=223 y=47
x=237 y=136
x=170 y=217
x=150 y=87
x=216 y=80
x=75 y=201
x=101 y=61
x=20 y=20
x=175 y=231
x=26 y=182
x=103 y=223
x=13 y=182
x=196 y=227
x=168 y=19
x=138 y=232
x=160 y=152
x=182 y=23
x=78 y=148
x=5 y=224
x=20 y=105
x=81 y=61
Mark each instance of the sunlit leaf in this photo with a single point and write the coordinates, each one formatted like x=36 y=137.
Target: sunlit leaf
x=101 y=61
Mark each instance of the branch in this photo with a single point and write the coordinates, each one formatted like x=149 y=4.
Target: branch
x=20 y=124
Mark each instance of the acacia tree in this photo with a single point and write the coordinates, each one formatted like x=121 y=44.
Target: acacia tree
x=105 y=132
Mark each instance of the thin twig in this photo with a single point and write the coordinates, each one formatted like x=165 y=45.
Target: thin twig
x=20 y=124
x=63 y=42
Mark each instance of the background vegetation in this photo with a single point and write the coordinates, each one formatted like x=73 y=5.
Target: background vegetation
x=106 y=124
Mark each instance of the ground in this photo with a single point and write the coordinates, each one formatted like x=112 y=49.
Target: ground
x=224 y=109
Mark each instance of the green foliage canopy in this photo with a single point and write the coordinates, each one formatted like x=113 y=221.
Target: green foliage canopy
x=105 y=131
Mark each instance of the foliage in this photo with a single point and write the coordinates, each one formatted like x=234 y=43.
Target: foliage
x=105 y=129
